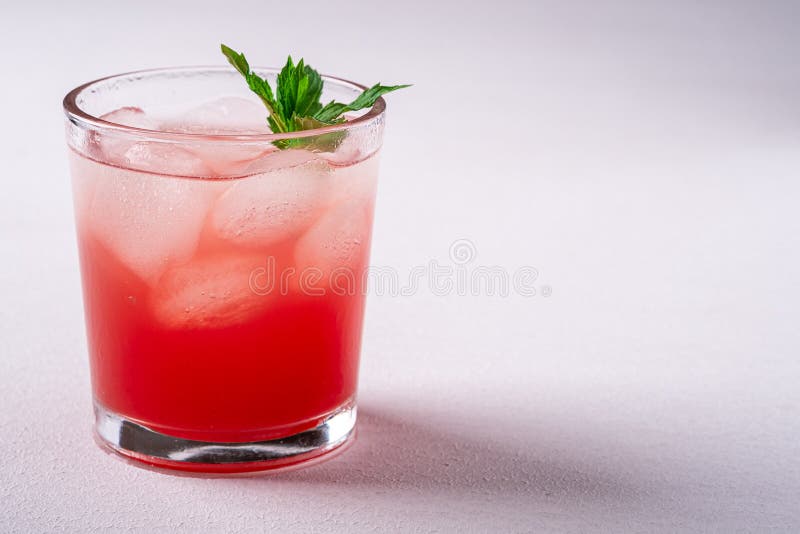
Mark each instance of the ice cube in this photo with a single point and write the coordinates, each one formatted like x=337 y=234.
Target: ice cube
x=131 y=116
x=226 y=115
x=154 y=156
x=264 y=209
x=166 y=158
x=214 y=292
x=231 y=159
x=149 y=221
x=348 y=152
x=236 y=159
x=111 y=146
x=275 y=159
x=356 y=182
x=340 y=239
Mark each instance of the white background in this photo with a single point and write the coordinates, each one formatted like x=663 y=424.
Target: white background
x=643 y=156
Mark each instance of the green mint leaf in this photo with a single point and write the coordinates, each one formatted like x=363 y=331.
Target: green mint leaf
x=259 y=86
x=368 y=97
x=326 y=142
x=365 y=100
x=236 y=59
x=295 y=105
x=307 y=123
x=299 y=90
x=287 y=88
x=331 y=110
x=309 y=91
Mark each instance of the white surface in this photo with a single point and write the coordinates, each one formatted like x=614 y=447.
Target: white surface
x=644 y=157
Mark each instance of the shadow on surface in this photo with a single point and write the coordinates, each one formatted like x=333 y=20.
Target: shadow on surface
x=393 y=452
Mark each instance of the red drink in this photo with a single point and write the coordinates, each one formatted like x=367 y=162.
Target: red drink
x=223 y=289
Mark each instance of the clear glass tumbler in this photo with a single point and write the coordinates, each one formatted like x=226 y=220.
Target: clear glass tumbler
x=223 y=268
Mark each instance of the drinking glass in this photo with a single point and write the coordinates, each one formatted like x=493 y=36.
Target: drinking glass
x=222 y=268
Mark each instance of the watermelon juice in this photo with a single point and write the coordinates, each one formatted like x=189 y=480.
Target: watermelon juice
x=223 y=286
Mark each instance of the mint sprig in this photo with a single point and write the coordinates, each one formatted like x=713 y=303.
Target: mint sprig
x=296 y=106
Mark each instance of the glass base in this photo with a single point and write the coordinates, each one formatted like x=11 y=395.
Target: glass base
x=137 y=442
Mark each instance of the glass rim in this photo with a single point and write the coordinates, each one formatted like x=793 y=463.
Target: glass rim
x=86 y=120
